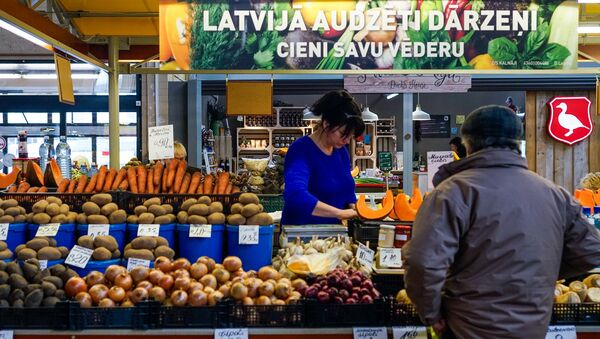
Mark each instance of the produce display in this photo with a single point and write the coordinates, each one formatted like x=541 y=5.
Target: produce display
x=248 y=211
x=153 y=211
x=51 y=210
x=148 y=248
x=402 y=207
x=41 y=248
x=101 y=210
x=342 y=287
x=201 y=211
x=11 y=212
x=5 y=252
x=577 y=291
x=105 y=246
x=9 y=179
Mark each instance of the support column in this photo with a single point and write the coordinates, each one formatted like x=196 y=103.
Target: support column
x=194 y=122
x=113 y=102
x=407 y=142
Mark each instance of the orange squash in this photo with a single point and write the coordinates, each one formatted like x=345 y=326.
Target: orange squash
x=392 y=214
x=355 y=171
x=178 y=22
x=35 y=175
x=10 y=178
x=52 y=176
x=585 y=197
x=365 y=212
x=597 y=198
x=403 y=209
x=416 y=200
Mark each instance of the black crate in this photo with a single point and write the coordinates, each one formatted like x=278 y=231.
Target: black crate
x=54 y=318
x=141 y=317
x=131 y=200
x=74 y=200
x=388 y=284
x=400 y=314
x=292 y=315
x=342 y=315
x=576 y=314
x=198 y=317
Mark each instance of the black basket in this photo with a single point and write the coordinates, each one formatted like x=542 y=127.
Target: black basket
x=198 y=317
x=54 y=318
x=292 y=315
x=141 y=317
x=576 y=314
x=342 y=315
x=388 y=284
x=132 y=200
x=400 y=314
x=74 y=200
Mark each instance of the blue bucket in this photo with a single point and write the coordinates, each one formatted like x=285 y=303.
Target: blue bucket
x=64 y=237
x=166 y=231
x=194 y=248
x=117 y=231
x=253 y=256
x=93 y=265
x=17 y=235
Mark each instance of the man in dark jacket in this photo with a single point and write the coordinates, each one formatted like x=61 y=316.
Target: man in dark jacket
x=493 y=237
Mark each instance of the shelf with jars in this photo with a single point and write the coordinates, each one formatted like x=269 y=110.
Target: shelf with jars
x=379 y=136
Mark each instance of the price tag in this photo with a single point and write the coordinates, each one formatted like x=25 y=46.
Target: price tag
x=248 y=235
x=370 y=332
x=47 y=230
x=231 y=333
x=134 y=262
x=3 y=231
x=160 y=142
x=390 y=257
x=365 y=255
x=561 y=332
x=96 y=230
x=148 y=230
x=43 y=264
x=79 y=256
x=418 y=332
x=6 y=334
x=200 y=231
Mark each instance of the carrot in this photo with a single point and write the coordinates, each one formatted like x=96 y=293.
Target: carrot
x=229 y=188
x=172 y=171
x=110 y=178
x=201 y=185
x=43 y=189
x=158 y=173
x=195 y=182
x=179 y=174
x=72 y=185
x=164 y=178
x=131 y=177
x=12 y=189
x=81 y=183
x=33 y=189
x=171 y=190
x=235 y=189
x=124 y=185
x=150 y=180
x=141 y=179
x=62 y=186
x=23 y=187
x=208 y=184
x=101 y=177
x=92 y=184
x=222 y=182
x=187 y=178
x=119 y=178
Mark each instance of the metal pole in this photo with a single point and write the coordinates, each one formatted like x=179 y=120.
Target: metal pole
x=407 y=142
x=113 y=102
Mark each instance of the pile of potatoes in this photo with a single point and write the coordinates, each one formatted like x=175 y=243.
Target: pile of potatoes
x=51 y=210
x=248 y=211
x=41 y=248
x=201 y=211
x=101 y=210
x=5 y=253
x=105 y=246
x=148 y=248
x=152 y=212
x=28 y=286
x=11 y=212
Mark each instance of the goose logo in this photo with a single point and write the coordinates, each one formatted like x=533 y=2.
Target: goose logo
x=570 y=120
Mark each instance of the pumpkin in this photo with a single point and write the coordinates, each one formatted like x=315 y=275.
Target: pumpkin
x=52 y=176
x=403 y=209
x=178 y=22
x=35 y=175
x=585 y=197
x=365 y=212
x=10 y=178
x=165 y=49
x=416 y=200
x=392 y=214
x=597 y=198
x=355 y=171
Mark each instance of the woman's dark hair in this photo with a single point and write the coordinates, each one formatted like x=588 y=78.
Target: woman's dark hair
x=340 y=109
x=461 y=150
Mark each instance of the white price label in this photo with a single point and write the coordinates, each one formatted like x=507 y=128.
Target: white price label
x=6 y=334
x=365 y=255
x=248 y=235
x=561 y=332
x=43 y=264
x=148 y=230
x=231 y=333
x=47 y=230
x=390 y=257
x=3 y=231
x=200 y=231
x=417 y=332
x=79 y=256
x=134 y=262
x=99 y=229
x=370 y=332
x=160 y=142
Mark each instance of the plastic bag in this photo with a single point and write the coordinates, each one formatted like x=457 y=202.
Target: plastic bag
x=317 y=264
x=256 y=164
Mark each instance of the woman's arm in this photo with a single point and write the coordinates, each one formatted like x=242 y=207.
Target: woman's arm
x=327 y=211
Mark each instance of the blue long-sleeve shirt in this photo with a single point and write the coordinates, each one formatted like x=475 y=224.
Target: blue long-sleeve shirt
x=310 y=176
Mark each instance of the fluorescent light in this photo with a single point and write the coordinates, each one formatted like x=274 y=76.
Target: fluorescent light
x=393 y=95
x=10 y=76
x=49 y=76
x=589 y=1
x=84 y=76
x=23 y=34
x=588 y=29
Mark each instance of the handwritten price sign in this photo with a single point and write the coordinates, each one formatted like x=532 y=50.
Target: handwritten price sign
x=99 y=229
x=47 y=230
x=6 y=334
x=200 y=231
x=390 y=257
x=410 y=332
x=148 y=230
x=134 y=262
x=43 y=264
x=248 y=235
x=370 y=333
x=231 y=333
x=160 y=142
x=365 y=255
x=561 y=332
x=3 y=231
x=79 y=256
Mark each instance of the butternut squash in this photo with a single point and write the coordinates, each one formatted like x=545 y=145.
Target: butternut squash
x=10 y=178
x=52 y=177
x=403 y=209
x=35 y=175
x=416 y=200
x=365 y=212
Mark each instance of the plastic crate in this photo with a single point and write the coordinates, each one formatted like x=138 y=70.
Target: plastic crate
x=400 y=314
x=342 y=315
x=576 y=314
x=363 y=231
x=74 y=200
x=292 y=315
x=141 y=317
x=131 y=200
x=54 y=318
x=271 y=202
x=198 y=317
x=388 y=284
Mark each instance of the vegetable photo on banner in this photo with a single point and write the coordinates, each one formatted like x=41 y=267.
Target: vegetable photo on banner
x=263 y=45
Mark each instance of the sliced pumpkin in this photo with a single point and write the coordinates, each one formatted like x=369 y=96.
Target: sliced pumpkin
x=417 y=199
x=10 y=178
x=597 y=198
x=53 y=176
x=35 y=175
x=367 y=213
x=403 y=209
x=585 y=197
x=392 y=214
x=355 y=171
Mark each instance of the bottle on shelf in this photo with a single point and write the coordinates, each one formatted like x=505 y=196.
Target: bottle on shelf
x=63 y=151
x=23 y=144
x=46 y=152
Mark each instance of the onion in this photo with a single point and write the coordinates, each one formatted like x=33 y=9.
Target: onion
x=163 y=264
x=145 y=284
x=155 y=275
x=106 y=302
x=94 y=278
x=113 y=271
x=198 y=270
x=247 y=301
x=214 y=298
x=266 y=288
x=116 y=293
x=181 y=263
x=98 y=292
x=232 y=263
x=263 y=300
x=84 y=299
x=138 y=295
x=157 y=293
x=166 y=282
x=124 y=280
x=198 y=298
x=221 y=274
x=139 y=273
x=182 y=283
x=74 y=286
x=239 y=291
x=268 y=272
x=195 y=286
x=209 y=280
x=179 y=298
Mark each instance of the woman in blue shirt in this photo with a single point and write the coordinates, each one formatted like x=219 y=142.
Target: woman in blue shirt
x=319 y=188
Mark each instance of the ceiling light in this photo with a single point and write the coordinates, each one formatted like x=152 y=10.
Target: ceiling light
x=393 y=95
x=366 y=114
x=23 y=34
x=418 y=114
x=10 y=76
x=307 y=114
x=49 y=76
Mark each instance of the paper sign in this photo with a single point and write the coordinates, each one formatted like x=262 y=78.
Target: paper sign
x=47 y=230
x=390 y=257
x=160 y=142
x=3 y=231
x=248 y=235
x=418 y=332
x=6 y=334
x=148 y=230
x=434 y=161
x=134 y=262
x=99 y=229
x=370 y=332
x=43 y=264
x=79 y=256
x=561 y=332
x=231 y=333
x=200 y=231
x=365 y=255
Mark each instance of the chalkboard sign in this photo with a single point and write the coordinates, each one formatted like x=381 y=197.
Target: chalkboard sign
x=385 y=161
x=437 y=127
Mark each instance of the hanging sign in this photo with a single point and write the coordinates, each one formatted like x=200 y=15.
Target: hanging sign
x=570 y=119
x=405 y=83
x=434 y=161
x=160 y=142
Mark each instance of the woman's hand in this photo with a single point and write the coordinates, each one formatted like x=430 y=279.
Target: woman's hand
x=347 y=214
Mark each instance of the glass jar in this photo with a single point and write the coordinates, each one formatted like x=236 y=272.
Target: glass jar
x=402 y=235
x=386 y=236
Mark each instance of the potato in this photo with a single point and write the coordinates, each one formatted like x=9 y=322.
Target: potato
x=118 y=217
x=29 y=218
x=106 y=241
x=204 y=200
x=54 y=200
x=49 y=253
x=9 y=203
x=236 y=208
x=249 y=198
x=58 y=219
x=198 y=209
x=187 y=204
x=26 y=253
x=138 y=210
x=17 y=303
x=63 y=209
x=86 y=241
x=40 y=218
x=30 y=269
x=22 y=210
x=164 y=251
x=3 y=278
x=161 y=241
x=53 y=209
x=101 y=199
x=197 y=219
x=32 y=287
x=148 y=243
x=90 y=208
x=1 y=212
x=146 y=218
x=132 y=219
x=59 y=269
x=139 y=254
x=250 y=210
x=82 y=219
x=51 y=241
x=18 y=248
x=97 y=219
x=64 y=252
x=34 y=298
x=236 y=219
x=215 y=207
x=216 y=218
x=116 y=254
x=6 y=254
x=48 y=288
x=69 y=273
x=162 y=220
x=182 y=217
x=101 y=254
x=61 y=294
x=152 y=201
x=17 y=281
x=109 y=208
x=4 y=291
x=7 y=219
x=261 y=219
x=56 y=281
x=157 y=210
x=16 y=294
x=20 y=218
x=50 y=301
x=12 y=211
x=72 y=218
x=13 y=267
x=37 y=243
x=168 y=208
x=3 y=245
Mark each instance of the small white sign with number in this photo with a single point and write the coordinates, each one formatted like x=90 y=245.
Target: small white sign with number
x=200 y=231
x=6 y=334
x=410 y=332
x=43 y=264
x=3 y=231
x=47 y=230
x=148 y=230
x=248 y=235
x=99 y=229
x=390 y=257
x=365 y=255
x=231 y=333
x=561 y=332
x=133 y=262
x=370 y=333
x=160 y=142
x=79 y=256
